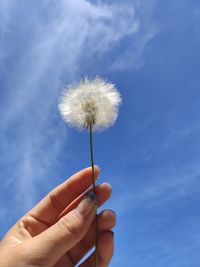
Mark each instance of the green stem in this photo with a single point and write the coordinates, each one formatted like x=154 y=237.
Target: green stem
x=94 y=190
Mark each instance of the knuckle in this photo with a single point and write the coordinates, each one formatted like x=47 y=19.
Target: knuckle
x=54 y=201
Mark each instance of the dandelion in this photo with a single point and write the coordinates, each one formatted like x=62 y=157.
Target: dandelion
x=92 y=105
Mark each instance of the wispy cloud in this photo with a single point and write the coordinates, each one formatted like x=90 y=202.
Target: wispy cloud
x=5 y=13
x=157 y=213
x=131 y=57
x=38 y=51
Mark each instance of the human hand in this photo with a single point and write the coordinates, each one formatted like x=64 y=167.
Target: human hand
x=60 y=230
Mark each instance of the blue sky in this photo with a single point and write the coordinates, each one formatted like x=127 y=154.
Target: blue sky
x=150 y=50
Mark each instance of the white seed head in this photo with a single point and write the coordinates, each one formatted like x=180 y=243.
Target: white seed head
x=90 y=102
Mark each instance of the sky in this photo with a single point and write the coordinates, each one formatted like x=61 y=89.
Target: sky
x=150 y=50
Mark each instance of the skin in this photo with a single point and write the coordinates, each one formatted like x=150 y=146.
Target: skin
x=55 y=233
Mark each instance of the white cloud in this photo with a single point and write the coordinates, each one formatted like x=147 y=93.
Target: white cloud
x=55 y=40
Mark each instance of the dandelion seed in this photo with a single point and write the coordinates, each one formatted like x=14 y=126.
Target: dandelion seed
x=93 y=105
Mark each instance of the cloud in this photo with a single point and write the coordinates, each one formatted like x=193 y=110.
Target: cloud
x=159 y=215
x=38 y=50
x=159 y=190
x=5 y=13
x=131 y=56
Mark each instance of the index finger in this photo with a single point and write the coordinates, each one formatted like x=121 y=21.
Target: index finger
x=57 y=200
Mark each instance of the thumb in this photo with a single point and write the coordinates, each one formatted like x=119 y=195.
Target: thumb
x=51 y=244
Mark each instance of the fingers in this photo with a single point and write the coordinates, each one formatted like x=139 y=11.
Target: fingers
x=103 y=192
x=35 y=227
x=62 y=236
x=105 y=251
x=106 y=221
x=57 y=200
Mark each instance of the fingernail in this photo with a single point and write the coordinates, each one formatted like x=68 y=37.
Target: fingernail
x=98 y=168
x=87 y=204
x=112 y=211
x=96 y=171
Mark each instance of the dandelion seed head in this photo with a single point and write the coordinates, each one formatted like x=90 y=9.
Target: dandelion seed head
x=90 y=102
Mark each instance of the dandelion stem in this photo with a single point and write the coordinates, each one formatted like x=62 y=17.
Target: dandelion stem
x=94 y=190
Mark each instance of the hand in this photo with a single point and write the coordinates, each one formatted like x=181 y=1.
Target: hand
x=60 y=230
